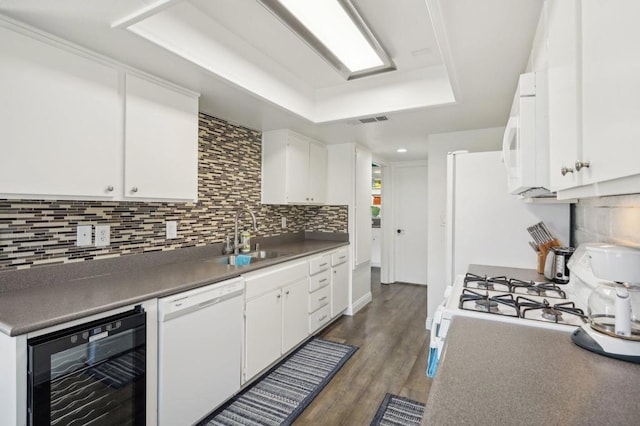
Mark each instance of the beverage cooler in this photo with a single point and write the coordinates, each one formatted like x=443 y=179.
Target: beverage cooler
x=93 y=373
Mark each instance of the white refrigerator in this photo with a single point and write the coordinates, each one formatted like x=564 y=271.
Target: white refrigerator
x=487 y=225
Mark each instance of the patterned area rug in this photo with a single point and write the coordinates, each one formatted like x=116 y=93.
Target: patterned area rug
x=396 y=410
x=280 y=395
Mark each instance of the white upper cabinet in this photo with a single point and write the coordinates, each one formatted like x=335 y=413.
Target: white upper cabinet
x=60 y=122
x=161 y=142
x=562 y=32
x=64 y=114
x=610 y=89
x=593 y=96
x=294 y=169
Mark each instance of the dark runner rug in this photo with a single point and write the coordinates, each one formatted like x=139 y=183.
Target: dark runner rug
x=396 y=410
x=281 y=394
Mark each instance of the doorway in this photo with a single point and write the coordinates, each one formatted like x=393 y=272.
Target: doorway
x=376 y=215
x=409 y=210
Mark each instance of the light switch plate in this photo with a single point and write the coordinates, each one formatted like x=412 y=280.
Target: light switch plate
x=103 y=235
x=172 y=229
x=83 y=235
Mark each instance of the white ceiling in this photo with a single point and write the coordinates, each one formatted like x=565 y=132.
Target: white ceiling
x=253 y=71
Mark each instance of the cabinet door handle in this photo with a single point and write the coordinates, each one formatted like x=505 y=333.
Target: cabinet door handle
x=581 y=164
x=564 y=170
x=286 y=292
x=134 y=189
x=110 y=188
x=278 y=295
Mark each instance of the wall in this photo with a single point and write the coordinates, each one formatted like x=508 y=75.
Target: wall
x=36 y=232
x=439 y=145
x=608 y=219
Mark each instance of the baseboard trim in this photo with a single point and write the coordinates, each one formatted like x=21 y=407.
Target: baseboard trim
x=359 y=304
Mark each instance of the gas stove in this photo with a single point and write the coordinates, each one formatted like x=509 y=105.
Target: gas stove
x=511 y=295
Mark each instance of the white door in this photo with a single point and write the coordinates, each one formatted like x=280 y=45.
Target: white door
x=410 y=218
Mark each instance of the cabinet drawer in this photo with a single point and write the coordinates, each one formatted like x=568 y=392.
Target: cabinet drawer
x=319 y=318
x=260 y=282
x=319 y=263
x=319 y=298
x=319 y=280
x=339 y=257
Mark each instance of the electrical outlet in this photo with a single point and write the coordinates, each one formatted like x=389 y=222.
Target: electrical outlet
x=172 y=229
x=284 y=222
x=83 y=235
x=103 y=235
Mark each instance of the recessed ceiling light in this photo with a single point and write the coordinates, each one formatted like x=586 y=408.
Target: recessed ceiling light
x=401 y=150
x=336 y=31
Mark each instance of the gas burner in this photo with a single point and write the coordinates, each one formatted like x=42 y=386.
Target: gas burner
x=486 y=283
x=489 y=304
x=551 y=313
x=533 y=289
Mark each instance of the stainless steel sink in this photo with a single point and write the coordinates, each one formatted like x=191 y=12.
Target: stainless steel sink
x=256 y=256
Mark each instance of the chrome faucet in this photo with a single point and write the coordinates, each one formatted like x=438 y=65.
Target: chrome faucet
x=236 y=243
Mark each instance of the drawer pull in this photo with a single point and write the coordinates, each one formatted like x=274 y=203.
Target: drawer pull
x=322 y=280
x=343 y=257
x=324 y=264
x=322 y=298
x=322 y=318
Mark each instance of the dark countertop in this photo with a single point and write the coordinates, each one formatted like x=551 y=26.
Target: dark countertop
x=493 y=373
x=55 y=295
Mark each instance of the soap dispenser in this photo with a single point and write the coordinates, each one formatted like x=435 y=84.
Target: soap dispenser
x=245 y=241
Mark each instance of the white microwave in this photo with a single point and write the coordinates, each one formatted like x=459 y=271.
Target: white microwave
x=525 y=146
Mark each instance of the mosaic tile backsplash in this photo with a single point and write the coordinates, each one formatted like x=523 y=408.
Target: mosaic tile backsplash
x=35 y=232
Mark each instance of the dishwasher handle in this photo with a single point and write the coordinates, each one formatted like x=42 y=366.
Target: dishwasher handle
x=182 y=304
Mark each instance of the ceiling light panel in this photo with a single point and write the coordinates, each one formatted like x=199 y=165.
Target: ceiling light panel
x=337 y=32
x=329 y=22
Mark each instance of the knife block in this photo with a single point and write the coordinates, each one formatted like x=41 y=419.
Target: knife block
x=543 y=250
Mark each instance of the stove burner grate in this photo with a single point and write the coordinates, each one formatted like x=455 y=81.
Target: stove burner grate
x=488 y=304
x=540 y=289
x=551 y=313
x=486 y=283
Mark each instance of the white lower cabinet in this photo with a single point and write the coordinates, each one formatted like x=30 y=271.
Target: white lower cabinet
x=275 y=314
x=294 y=314
x=339 y=281
x=263 y=327
x=319 y=291
x=286 y=303
x=319 y=318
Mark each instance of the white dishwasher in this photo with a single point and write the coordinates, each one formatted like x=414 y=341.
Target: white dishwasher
x=199 y=351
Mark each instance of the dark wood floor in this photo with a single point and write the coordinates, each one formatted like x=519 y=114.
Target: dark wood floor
x=393 y=342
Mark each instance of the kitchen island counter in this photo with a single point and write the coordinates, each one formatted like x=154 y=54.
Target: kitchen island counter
x=42 y=297
x=492 y=373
